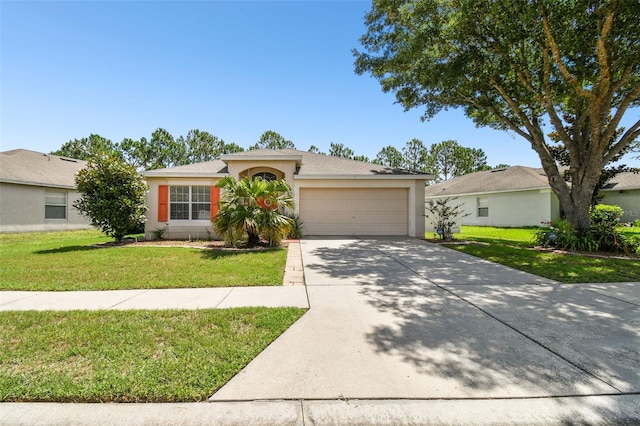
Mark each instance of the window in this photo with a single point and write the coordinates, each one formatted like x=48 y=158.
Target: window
x=190 y=202
x=483 y=207
x=55 y=205
x=265 y=176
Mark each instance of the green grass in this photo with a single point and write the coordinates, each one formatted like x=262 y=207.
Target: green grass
x=152 y=356
x=67 y=261
x=514 y=247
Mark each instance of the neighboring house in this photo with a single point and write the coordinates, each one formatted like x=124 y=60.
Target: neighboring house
x=522 y=196
x=624 y=191
x=333 y=196
x=37 y=192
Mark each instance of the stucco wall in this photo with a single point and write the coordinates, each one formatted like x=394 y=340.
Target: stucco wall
x=518 y=208
x=629 y=200
x=176 y=229
x=22 y=209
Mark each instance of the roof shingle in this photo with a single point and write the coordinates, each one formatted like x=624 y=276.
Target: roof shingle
x=35 y=168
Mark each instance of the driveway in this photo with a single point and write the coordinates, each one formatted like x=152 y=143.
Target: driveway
x=401 y=318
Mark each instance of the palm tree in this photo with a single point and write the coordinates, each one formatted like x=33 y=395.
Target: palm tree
x=255 y=208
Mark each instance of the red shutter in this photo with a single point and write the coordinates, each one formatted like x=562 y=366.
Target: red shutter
x=215 y=198
x=163 y=203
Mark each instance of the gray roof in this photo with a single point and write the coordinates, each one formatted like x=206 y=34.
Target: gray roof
x=207 y=168
x=516 y=178
x=26 y=167
x=623 y=181
x=309 y=165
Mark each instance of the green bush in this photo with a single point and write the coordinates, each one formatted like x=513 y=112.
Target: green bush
x=562 y=235
x=603 y=234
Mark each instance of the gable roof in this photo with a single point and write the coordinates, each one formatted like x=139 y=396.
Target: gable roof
x=205 y=169
x=308 y=166
x=516 y=178
x=26 y=167
x=623 y=181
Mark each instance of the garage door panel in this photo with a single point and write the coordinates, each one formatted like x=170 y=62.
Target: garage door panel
x=354 y=211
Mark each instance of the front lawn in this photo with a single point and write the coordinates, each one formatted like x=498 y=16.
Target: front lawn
x=69 y=261
x=514 y=247
x=150 y=356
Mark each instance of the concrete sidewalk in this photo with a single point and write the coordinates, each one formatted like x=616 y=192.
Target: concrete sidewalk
x=589 y=410
x=179 y=298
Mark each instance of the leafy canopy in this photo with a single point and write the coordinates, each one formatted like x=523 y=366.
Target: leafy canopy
x=518 y=65
x=112 y=196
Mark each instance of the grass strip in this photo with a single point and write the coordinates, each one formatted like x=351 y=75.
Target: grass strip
x=68 y=261
x=135 y=356
x=514 y=247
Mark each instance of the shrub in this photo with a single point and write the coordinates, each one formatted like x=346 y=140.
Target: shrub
x=296 y=228
x=112 y=195
x=445 y=216
x=561 y=234
x=602 y=234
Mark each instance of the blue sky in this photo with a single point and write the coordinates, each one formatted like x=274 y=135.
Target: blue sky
x=235 y=69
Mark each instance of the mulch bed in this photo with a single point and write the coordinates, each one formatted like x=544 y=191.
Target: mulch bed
x=206 y=245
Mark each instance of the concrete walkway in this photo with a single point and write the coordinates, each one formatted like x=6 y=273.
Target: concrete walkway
x=405 y=332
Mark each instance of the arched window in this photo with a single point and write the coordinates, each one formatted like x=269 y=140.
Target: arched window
x=265 y=176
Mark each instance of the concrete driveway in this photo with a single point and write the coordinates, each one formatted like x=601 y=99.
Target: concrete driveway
x=399 y=318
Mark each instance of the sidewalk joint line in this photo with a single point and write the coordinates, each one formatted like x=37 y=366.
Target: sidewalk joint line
x=225 y=297
x=129 y=298
x=613 y=297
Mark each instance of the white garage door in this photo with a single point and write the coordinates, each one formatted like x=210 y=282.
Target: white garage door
x=354 y=211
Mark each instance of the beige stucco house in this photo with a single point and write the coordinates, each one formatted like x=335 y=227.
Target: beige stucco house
x=522 y=196
x=334 y=196
x=37 y=192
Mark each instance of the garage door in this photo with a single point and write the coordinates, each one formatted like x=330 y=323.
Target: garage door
x=354 y=211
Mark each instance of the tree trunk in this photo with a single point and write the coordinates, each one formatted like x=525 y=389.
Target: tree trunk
x=252 y=239
x=575 y=198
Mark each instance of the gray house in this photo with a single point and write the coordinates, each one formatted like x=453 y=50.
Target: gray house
x=522 y=196
x=37 y=192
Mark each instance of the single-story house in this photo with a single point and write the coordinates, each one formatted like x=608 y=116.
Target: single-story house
x=522 y=196
x=333 y=196
x=37 y=192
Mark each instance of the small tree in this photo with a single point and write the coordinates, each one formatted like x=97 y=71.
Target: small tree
x=112 y=196
x=254 y=208
x=445 y=216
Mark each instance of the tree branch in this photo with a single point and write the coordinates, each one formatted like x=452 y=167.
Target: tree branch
x=556 y=54
x=629 y=136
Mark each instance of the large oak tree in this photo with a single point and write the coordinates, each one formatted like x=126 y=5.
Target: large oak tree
x=533 y=67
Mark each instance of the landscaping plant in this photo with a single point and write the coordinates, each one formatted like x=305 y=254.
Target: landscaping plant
x=112 y=196
x=445 y=216
x=254 y=208
x=603 y=234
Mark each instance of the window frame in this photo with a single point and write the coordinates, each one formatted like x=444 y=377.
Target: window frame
x=48 y=204
x=195 y=201
x=482 y=207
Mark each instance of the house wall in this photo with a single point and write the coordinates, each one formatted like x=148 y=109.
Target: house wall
x=629 y=200
x=517 y=208
x=22 y=209
x=176 y=229
x=201 y=229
